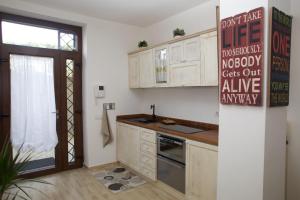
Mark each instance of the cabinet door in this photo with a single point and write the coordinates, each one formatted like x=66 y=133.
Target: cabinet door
x=146 y=69
x=122 y=143
x=201 y=174
x=209 y=59
x=192 y=50
x=187 y=74
x=176 y=53
x=161 y=65
x=133 y=71
x=133 y=142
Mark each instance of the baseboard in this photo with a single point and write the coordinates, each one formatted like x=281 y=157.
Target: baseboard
x=101 y=166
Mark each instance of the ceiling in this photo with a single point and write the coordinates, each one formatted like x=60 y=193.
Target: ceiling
x=134 y=12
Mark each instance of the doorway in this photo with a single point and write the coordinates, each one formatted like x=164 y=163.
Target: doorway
x=40 y=92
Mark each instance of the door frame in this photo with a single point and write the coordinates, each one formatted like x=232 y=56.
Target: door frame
x=60 y=97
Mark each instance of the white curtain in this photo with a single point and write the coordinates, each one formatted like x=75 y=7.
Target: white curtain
x=33 y=117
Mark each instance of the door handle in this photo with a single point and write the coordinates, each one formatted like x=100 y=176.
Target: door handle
x=57 y=114
x=4 y=115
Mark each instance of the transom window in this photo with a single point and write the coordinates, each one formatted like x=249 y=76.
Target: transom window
x=33 y=36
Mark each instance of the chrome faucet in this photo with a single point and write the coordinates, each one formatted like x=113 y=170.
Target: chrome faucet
x=153 y=111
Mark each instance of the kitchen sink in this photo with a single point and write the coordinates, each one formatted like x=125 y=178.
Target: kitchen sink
x=143 y=120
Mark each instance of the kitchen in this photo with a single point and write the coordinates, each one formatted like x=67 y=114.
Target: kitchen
x=168 y=109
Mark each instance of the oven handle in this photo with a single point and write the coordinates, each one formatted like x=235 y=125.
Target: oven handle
x=171 y=162
x=170 y=141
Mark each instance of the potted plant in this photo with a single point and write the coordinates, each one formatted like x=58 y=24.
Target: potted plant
x=178 y=32
x=142 y=44
x=11 y=185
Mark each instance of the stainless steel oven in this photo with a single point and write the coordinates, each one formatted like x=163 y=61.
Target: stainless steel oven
x=171 y=161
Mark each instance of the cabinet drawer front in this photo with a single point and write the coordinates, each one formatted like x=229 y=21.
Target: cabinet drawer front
x=149 y=161
x=148 y=172
x=148 y=148
x=148 y=135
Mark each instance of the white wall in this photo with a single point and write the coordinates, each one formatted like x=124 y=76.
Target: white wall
x=293 y=174
x=199 y=103
x=251 y=139
x=105 y=61
x=196 y=19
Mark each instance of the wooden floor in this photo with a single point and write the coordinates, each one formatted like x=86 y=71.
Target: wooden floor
x=80 y=184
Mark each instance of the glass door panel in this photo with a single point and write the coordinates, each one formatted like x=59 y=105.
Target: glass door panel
x=70 y=109
x=161 y=64
x=33 y=110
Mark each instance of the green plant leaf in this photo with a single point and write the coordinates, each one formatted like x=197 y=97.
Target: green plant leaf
x=10 y=167
x=20 y=188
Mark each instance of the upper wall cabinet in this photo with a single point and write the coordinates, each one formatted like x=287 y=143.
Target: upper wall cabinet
x=185 y=63
x=134 y=71
x=146 y=69
x=176 y=53
x=209 y=61
x=188 y=61
x=185 y=51
x=161 y=66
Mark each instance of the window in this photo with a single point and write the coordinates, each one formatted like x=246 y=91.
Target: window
x=33 y=36
x=70 y=109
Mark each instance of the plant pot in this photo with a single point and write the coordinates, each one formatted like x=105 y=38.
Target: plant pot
x=178 y=36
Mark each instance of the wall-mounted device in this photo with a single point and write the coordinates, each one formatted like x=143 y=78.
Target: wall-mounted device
x=99 y=91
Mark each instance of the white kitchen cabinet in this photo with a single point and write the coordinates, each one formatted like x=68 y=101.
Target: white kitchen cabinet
x=201 y=171
x=185 y=75
x=161 y=56
x=133 y=142
x=192 y=61
x=148 y=153
x=191 y=50
x=209 y=59
x=122 y=140
x=185 y=63
x=176 y=53
x=185 y=51
x=128 y=145
x=134 y=71
x=147 y=73
x=136 y=148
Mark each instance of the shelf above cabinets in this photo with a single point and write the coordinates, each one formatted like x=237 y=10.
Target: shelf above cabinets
x=189 y=61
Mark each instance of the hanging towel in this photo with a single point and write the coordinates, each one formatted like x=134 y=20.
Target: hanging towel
x=105 y=129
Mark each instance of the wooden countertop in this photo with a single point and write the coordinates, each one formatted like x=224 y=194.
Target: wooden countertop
x=210 y=136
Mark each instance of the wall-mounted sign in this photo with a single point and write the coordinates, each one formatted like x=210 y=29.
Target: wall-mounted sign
x=280 y=58
x=242 y=45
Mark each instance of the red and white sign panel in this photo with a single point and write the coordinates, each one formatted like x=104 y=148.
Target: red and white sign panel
x=242 y=45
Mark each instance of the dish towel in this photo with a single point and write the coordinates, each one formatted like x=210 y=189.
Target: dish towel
x=105 y=129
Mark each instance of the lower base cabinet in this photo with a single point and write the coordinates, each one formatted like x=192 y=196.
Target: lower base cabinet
x=136 y=148
x=128 y=145
x=201 y=171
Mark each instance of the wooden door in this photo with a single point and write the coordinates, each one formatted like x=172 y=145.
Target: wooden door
x=201 y=172
x=176 y=53
x=187 y=74
x=209 y=59
x=66 y=156
x=133 y=142
x=146 y=69
x=71 y=110
x=192 y=49
x=122 y=146
x=133 y=71
x=5 y=95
